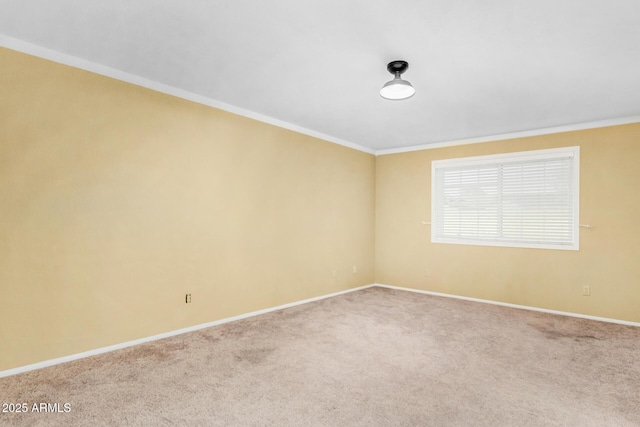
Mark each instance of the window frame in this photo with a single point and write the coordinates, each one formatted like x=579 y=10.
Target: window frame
x=504 y=158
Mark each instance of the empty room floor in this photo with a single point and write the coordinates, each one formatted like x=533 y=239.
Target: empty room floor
x=373 y=357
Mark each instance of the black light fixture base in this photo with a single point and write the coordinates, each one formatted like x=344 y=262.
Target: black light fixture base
x=397 y=67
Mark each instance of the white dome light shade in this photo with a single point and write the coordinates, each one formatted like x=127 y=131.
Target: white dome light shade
x=397 y=88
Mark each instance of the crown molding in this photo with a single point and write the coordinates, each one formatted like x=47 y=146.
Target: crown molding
x=522 y=134
x=73 y=61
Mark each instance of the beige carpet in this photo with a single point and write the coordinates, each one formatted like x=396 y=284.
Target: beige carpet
x=375 y=357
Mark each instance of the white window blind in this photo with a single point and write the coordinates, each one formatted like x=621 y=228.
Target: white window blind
x=527 y=199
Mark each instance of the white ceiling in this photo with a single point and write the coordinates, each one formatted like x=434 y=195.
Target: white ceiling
x=480 y=68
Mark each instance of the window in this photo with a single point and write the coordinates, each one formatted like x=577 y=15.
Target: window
x=528 y=199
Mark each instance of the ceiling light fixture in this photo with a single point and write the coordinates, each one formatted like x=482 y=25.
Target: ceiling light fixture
x=397 y=89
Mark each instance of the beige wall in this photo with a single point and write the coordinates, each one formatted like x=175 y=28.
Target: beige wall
x=115 y=201
x=609 y=255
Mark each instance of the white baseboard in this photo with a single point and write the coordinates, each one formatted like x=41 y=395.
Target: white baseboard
x=114 y=347
x=506 y=304
x=107 y=349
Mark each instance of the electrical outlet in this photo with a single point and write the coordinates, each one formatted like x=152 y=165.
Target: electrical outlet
x=187 y=298
x=355 y=269
x=426 y=273
x=586 y=291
